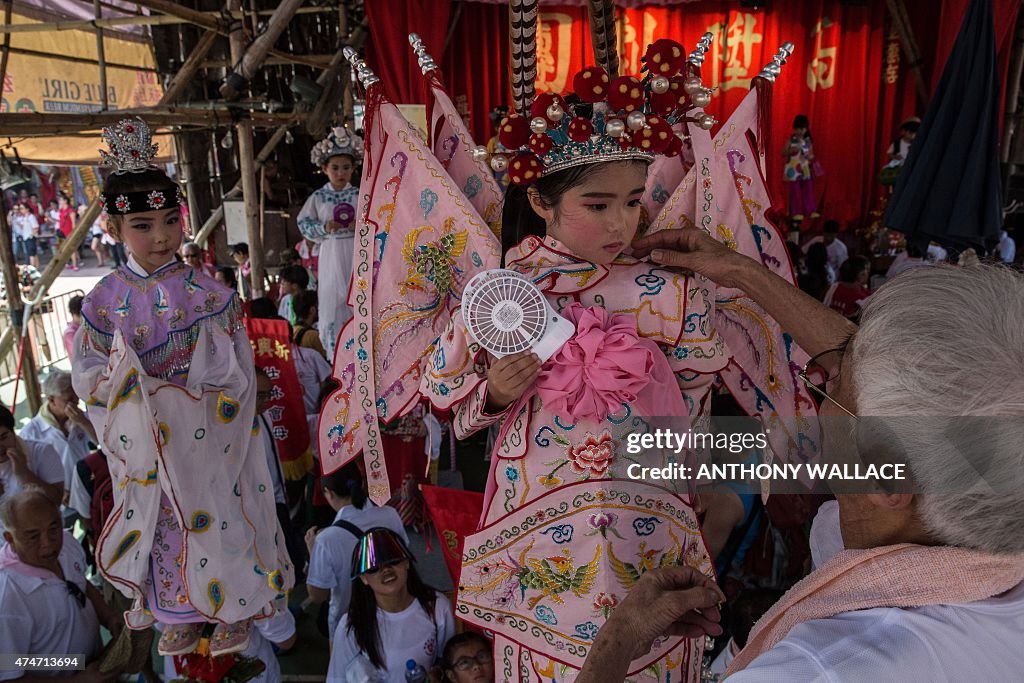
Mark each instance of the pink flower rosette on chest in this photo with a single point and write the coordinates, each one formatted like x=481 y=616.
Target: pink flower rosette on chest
x=604 y=366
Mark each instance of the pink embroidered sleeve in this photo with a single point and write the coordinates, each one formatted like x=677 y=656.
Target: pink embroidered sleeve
x=455 y=379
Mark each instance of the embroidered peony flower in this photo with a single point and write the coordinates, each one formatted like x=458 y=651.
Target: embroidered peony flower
x=602 y=523
x=511 y=474
x=604 y=365
x=605 y=603
x=593 y=456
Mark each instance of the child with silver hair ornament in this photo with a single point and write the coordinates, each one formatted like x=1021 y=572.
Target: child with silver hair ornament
x=328 y=217
x=167 y=372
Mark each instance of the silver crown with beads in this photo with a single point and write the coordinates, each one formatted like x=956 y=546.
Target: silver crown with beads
x=131 y=147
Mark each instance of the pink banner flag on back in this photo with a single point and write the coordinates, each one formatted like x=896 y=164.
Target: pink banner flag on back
x=417 y=243
x=453 y=145
x=724 y=194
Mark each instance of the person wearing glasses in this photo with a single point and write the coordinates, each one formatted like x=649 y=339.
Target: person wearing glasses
x=468 y=659
x=47 y=607
x=192 y=255
x=394 y=620
x=930 y=584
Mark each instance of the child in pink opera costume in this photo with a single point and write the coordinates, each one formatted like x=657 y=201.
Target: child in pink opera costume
x=566 y=531
x=167 y=370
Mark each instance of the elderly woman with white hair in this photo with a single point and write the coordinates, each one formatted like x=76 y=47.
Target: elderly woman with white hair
x=61 y=423
x=930 y=585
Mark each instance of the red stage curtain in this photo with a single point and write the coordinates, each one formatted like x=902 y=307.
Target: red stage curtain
x=388 y=52
x=476 y=65
x=833 y=76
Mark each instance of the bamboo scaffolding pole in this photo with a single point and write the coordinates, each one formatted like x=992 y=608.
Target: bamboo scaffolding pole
x=192 y=64
x=36 y=124
x=247 y=167
x=10 y=268
x=322 y=62
x=253 y=56
x=211 y=22
x=117 y=22
x=77 y=60
x=56 y=266
x=214 y=220
x=101 y=58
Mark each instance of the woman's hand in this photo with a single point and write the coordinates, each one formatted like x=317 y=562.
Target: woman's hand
x=694 y=250
x=509 y=377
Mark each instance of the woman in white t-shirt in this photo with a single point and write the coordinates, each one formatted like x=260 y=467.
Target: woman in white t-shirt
x=393 y=619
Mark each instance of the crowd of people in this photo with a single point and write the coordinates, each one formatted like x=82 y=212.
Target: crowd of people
x=96 y=559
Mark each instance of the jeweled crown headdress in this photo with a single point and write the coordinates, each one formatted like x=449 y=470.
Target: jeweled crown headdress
x=131 y=147
x=132 y=151
x=605 y=118
x=339 y=140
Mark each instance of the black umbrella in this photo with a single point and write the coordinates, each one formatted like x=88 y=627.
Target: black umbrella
x=949 y=190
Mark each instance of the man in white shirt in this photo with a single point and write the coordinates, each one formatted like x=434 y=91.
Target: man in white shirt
x=46 y=605
x=837 y=251
x=26 y=463
x=61 y=424
x=330 y=550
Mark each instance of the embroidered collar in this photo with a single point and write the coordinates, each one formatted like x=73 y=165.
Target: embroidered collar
x=554 y=268
x=138 y=270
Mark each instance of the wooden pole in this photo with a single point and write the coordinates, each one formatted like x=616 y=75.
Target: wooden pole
x=898 y=10
x=63 y=255
x=12 y=283
x=116 y=22
x=101 y=58
x=218 y=214
x=250 y=62
x=36 y=124
x=77 y=60
x=5 y=52
x=247 y=168
x=210 y=22
x=185 y=74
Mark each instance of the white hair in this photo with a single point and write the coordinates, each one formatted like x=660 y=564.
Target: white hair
x=56 y=383
x=10 y=503
x=940 y=343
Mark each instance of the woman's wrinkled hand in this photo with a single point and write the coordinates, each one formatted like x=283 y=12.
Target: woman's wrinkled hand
x=694 y=250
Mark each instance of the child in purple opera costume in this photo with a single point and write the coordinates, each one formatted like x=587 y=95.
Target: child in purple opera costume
x=168 y=373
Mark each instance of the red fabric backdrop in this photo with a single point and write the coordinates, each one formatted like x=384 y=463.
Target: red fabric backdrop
x=847 y=73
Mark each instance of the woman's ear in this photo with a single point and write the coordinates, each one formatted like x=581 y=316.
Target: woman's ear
x=539 y=207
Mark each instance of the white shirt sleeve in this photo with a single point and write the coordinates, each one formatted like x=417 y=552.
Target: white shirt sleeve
x=79 y=499
x=45 y=462
x=445 y=623
x=343 y=652
x=322 y=568
x=278 y=628
x=15 y=627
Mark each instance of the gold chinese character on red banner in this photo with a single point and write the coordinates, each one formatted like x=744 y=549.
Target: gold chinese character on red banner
x=633 y=41
x=554 y=51
x=821 y=72
x=281 y=350
x=264 y=346
x=734 y=45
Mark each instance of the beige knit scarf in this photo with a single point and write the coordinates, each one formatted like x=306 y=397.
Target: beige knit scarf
x=904 y=575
